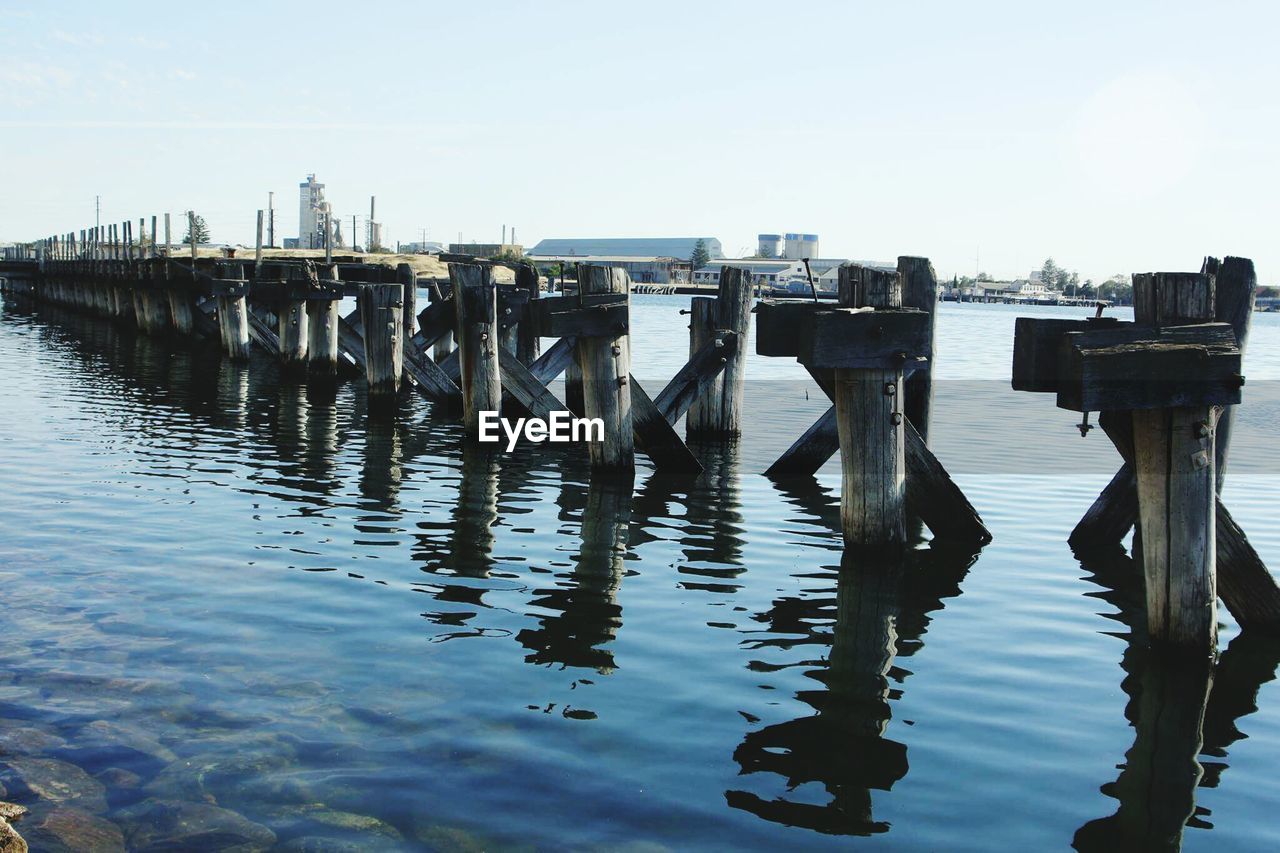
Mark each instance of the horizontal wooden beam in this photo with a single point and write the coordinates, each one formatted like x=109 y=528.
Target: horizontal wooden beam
x=781 y=325
x=556 y=317
x=861 y=338
x=1037 y=342
x=1139 y=367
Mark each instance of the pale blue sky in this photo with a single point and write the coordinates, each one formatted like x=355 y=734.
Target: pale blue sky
x=1115 y=139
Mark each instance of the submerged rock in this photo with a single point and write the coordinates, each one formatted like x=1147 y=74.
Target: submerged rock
x=10 y=840
x=56 y=782
x=320 y=844
x=20 y=739
x=71 y=830
x=171 y=825
x=316 y=821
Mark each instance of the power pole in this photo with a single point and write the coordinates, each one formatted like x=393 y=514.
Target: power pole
x=353 y=234
x=271 y=220
x=97 y=211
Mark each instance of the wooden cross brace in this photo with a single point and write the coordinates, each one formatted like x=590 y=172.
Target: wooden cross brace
x=858 y=338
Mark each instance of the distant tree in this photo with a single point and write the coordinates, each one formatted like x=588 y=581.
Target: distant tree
x=1118 y=288
x=984 y=277
x=766 y=252
x=701 y=256
x=1073 y=282
x=1087 y=290
x=1049 y=273
x=201 y=228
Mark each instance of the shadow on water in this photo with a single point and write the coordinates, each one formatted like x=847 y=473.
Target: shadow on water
x=1184 y=712
x=879 y=612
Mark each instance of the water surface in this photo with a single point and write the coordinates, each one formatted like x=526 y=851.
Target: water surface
x=237 y=603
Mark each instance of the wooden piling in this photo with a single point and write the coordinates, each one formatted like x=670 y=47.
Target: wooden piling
x=409 y=281
x=233 y=316
x=718 y=412
x=920 y=291
x=322 y=333
x=292 y=330
x=606 y=371
x=180 y=301
x=870 y=423
x=1235 y=288
x=380 y=318
x=1174 y=461
x=528 y=344
x=475 y=298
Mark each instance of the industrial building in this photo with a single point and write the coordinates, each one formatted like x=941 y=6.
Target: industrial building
x=626 y=247
x=312 y=213
x=789 y=246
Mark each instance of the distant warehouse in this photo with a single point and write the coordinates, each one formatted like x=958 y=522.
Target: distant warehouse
x=626 y=247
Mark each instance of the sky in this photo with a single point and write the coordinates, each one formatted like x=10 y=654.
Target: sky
x=1113 y=137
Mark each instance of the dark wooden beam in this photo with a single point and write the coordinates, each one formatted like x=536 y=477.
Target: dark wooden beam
x=655 y=436
x=695 y=377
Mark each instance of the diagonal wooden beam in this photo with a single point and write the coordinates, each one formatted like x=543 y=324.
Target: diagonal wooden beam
x=695 y=377
x=655 y=436
x=555 y=360
x=525 y=386
x=428 y=377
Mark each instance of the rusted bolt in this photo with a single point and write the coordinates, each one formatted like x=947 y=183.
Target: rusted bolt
x=895 y=418
x=890 y=388
x=622 y=380
x=484 y=336
x=617 y=350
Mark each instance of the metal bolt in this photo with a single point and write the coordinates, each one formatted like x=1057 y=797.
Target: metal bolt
x=895 y=418
x=622 y=380
x=1203 y=430
x=890 y=388
x=1200 y=460
x=484 y=336
x=617 y=350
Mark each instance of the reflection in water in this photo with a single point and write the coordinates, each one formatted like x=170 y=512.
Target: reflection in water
x=882 y=609
x=1182 y=708
x=583 y=610
x=712 y=537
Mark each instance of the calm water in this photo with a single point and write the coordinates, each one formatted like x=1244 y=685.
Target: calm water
x=239 y=614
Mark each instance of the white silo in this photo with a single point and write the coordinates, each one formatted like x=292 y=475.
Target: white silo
x=799 y=246
x=769 y=245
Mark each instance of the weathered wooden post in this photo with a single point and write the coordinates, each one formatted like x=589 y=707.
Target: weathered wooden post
x=718 y=411
x=383 y=326
x=322 y=332
x=292 y=329
x=1235 y=288
x=869 y=420
x=475 y=298
x=920 y=291
x=528 y=344
x=233 y=312
x=444 y=345
x=606 y=372
x=409 y=281
x=180 y=300
x=1174 y=455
